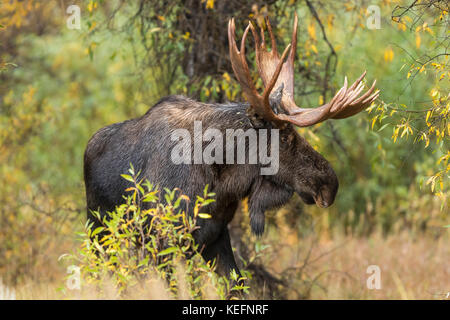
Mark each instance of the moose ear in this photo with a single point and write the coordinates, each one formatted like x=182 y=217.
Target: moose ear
x=275 y=104
x=275 y=100
x=265 y=195
x=257 y=121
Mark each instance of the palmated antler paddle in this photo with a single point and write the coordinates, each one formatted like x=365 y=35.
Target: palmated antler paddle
x=274 y=72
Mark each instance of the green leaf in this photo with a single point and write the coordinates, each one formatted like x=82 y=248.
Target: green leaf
x=383 y=126
x=131 y=170
x=167 y=251
x=127 y=177
x=97 y=231
x=144 y=262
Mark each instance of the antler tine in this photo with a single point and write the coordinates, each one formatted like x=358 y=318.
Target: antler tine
x=238 y=61
x=372 y=97
x=339 y=97
x=244 y=37
x=338 y=102
x=272 y=38
x=350 y=95
x=293 y=40
x=239 y=64
x=356 y=106
x=263 y=39
x=356 y=92
x=368 y=93
x=258 y=43
x=349 y=103
x=353 y=86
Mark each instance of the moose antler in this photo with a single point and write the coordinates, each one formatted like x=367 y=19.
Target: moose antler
x=240 y=68
x=275 y=72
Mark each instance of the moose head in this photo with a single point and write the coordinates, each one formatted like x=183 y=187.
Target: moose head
x=301 y=167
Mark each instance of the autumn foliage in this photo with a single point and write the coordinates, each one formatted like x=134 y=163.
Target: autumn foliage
x=59 y=85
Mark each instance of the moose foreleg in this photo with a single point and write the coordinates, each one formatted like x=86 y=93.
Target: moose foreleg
x=221 y=250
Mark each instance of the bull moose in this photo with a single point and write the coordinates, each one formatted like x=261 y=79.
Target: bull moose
x=147 y=143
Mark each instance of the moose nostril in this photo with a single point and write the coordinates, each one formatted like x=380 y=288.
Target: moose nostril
x=325 y=197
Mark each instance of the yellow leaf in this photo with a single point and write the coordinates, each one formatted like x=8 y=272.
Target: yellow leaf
x=395 y=135
x=418 y=39
x=402 y=26
x=210 y=4
x=187 y=35
x=388 y=55
x=226 y=76
x=422 y=69
x=434 y=93
x=91 y=6
x=312 y=30
x=405 y=130
x=428 y=115
x=330 y=21
x=374 y=121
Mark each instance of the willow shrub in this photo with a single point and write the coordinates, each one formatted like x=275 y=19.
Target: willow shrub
x=134 y=245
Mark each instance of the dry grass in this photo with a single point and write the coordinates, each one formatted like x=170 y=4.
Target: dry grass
x=411 y=268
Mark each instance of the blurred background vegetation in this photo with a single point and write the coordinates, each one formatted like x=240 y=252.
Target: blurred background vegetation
x=60 y=85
